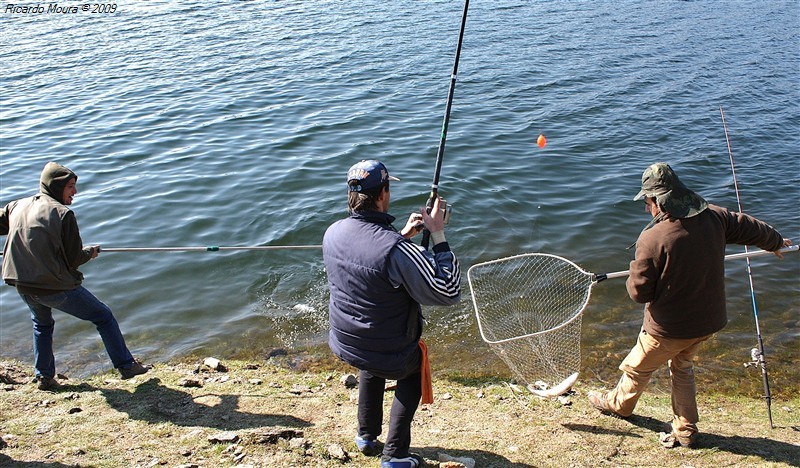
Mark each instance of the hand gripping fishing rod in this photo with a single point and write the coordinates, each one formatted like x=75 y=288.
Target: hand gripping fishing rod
x=757 y=354
x=426 y=235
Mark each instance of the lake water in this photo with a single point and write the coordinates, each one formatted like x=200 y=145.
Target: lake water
x=233 y=124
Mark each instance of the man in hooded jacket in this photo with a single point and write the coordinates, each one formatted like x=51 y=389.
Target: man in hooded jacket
x=678 y=273
x=42 y=252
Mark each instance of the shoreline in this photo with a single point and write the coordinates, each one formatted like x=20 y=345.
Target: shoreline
x=598 y=368
x=266 y=413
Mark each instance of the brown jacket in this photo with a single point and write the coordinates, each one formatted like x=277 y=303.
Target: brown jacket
x=679 y=270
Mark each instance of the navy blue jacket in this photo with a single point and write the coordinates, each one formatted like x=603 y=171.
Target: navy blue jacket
x=377 y=281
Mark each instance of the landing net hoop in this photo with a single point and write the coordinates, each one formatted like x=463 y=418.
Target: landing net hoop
x=529 y=309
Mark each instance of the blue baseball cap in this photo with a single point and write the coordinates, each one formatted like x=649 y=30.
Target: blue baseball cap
x=367 y=175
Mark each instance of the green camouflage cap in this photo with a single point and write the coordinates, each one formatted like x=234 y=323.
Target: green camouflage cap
x=659 y=181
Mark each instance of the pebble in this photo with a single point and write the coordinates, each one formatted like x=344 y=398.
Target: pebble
x=349 y=381
x=187 y=382
x=338 y=452
x=215 y=364
x=223 y=438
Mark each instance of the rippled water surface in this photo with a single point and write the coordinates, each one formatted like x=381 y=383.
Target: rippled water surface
x=233 y=123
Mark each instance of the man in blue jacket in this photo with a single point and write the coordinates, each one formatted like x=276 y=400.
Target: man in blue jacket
x=378 y=280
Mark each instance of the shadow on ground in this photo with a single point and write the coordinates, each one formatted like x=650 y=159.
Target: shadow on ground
x=153 y=402
x=766 y=449
x=482 y=458
x=5 y=460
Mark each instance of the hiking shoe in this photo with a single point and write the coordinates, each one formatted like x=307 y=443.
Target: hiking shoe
x=48 y=383
x=599 y=402
x=137 y=368
x=672 y=440
x=411 y=461
x=368 y=447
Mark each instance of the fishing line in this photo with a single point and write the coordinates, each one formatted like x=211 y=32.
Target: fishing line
x=757 y=354
x=208 y=248
x=445 y=123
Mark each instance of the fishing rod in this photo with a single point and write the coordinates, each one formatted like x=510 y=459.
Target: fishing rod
x=757 y=354
x=426 y=235
x=208 y=248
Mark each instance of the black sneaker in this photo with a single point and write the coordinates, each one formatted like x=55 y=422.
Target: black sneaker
x=137 y=368
x=48 y=383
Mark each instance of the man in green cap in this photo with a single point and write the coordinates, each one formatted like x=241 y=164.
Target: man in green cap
x=41 y=257
x=678 y=273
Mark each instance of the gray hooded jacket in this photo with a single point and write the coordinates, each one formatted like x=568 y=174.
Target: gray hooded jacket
x=43 y=246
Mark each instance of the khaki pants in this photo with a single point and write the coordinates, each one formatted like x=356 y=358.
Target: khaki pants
x=650 y=353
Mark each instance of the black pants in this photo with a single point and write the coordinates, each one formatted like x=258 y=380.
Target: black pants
x=404 y=406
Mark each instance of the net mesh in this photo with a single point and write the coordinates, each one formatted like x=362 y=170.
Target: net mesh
x=529 y=310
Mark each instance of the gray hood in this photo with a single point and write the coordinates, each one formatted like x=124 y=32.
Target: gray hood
x=53 y=180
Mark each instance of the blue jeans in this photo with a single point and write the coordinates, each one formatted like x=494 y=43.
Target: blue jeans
x=84 y=305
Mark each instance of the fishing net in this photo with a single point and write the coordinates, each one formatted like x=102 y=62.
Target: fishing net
x=529 y=310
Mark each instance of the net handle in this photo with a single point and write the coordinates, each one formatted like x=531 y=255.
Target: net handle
x=595 y=278
x=747 y=254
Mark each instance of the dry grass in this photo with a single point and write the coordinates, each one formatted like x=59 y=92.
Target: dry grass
x=291 y=418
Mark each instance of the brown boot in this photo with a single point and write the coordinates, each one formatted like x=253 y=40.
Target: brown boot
x=49 y=384
x=137 y=368
x=672 y=440
x=599 y=402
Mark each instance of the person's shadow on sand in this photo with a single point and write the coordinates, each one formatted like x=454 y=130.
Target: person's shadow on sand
x=768 y=450
x=5 y=460
x=153 y=402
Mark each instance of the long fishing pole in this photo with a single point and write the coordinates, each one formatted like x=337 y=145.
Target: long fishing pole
x=758 y=354
x=208 y=248
x=426 y=235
